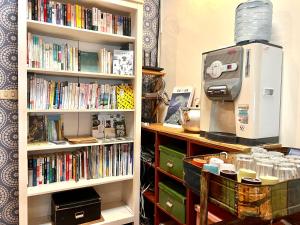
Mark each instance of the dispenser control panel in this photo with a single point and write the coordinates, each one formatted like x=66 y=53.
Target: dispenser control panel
x=217 y=90
x=216 y=69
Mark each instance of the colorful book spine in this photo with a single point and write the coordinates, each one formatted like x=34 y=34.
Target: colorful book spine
x=75 y=15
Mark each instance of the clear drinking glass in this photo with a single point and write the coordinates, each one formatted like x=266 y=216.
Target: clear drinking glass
x=258 y=150
x=243 y=161
x=264 y=167
x=275 y=154
x=286 y=171
x=297 y=163
x=259 y=156
x=292 y=158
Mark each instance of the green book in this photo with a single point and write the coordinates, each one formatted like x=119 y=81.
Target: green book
x=88 y=61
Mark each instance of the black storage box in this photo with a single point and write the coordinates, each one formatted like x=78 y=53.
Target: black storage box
x=192 y=175
x=75 y=206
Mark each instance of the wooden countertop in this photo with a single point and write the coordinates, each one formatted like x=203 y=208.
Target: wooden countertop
x=180 y=134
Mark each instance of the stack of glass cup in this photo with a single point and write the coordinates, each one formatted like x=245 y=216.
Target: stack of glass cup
x=270 y=167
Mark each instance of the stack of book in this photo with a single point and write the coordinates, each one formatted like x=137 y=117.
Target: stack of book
x=49 y=94
x=92 y=162
x=53 y=56
x=74 y=15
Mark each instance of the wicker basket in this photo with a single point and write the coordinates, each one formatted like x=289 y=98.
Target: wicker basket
x=243 y=200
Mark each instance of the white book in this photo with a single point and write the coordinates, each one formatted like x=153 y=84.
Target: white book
x=54 y=14
x=99 y=21
x=95 y=18
x=29 y=10
x=103 y=17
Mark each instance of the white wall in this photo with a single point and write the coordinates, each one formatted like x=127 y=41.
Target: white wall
x=190 y=27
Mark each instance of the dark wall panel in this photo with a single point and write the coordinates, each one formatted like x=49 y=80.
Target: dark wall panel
x=8 y=114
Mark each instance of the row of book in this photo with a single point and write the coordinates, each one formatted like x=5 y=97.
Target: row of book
x=46 y=94
x=45 y=128
x=92 y=162
x=64 y=57
x=54 y=56
x=74 y=15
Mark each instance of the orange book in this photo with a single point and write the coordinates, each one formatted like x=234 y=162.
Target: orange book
x=69 y=14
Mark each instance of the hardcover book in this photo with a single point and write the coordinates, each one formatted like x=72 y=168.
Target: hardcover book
x=37 y=129
x=88 y=61
x=123 y=62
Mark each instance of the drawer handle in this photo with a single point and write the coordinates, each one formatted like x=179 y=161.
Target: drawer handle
x=169 y=204
x=79 y=215
x=170 y=165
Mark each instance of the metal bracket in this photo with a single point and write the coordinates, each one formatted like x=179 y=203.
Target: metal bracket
x=9 y=94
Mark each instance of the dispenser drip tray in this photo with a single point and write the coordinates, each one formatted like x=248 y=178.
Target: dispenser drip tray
x=222 y=137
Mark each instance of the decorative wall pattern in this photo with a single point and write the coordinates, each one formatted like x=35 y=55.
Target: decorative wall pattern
x=151 y=31
x=150 y=49
x=8 y=114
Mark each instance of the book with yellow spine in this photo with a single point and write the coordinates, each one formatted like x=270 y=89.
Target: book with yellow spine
x=125 y=97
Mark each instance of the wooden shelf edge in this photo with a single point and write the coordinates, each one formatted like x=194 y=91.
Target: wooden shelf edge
x=152 y=72
x=170 y=175
x=171 y=216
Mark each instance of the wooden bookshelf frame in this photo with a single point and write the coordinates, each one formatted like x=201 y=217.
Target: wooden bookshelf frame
x=115 y=213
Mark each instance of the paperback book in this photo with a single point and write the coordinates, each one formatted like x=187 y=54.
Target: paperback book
x=123 y=62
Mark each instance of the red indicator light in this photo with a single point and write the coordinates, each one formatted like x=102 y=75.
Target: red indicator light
x=229 y=67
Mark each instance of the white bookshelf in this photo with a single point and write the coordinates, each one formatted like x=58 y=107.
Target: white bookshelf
x=119 y=194
x=80 y=74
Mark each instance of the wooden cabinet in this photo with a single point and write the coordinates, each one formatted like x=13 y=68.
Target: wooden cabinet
x=191 y=144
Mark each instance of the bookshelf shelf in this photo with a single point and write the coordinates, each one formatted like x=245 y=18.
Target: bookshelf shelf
x=79 y=110
x=73 y=33
x=50 y=146
x=113 y=213
x=80 y=74
x=68 y=185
